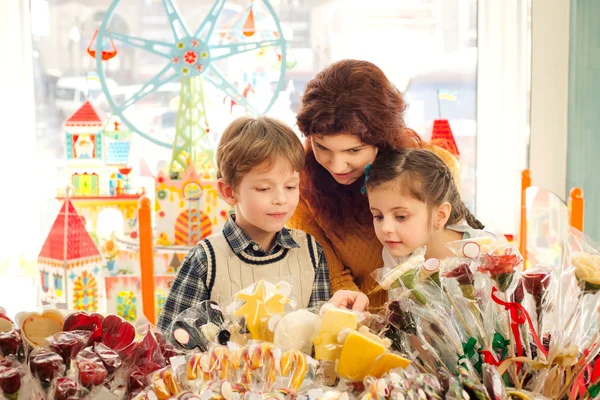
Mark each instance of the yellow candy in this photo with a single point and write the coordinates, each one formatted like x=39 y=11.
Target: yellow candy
x=334 y=321
x=387 y=362
x=296 y=359
x=358 y=353
x=258 y=308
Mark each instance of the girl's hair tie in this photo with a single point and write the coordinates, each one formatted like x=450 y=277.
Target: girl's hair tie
x=363 y=190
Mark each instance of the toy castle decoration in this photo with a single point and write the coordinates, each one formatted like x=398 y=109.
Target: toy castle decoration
x=70 y=265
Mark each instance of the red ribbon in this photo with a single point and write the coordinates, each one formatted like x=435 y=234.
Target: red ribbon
x=488 y=358
x=581 y=384
x=518 y=316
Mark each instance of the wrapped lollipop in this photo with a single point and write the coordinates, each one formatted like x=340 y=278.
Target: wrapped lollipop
x=68 y=344
x=460 y=270
x=502 y=267
x=11 y=344
x=400 y=326
x=165 y=384
x=83 y=321
x=257 y=303
x=91 y=371
x=477 y=247
x=405 y=273
x=295 y=365
x=536 y=281
x=110 y=358
x=198 y=367
x=197 y=327
x=241 y=370
x=67 y=389
x=45 y=366
x=265 y=360
x=10 y=382
x=220 y=362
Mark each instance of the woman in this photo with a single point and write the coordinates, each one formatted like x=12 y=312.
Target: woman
x=349 y=112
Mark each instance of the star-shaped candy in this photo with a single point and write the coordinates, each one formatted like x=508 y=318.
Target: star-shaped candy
x=259 y=306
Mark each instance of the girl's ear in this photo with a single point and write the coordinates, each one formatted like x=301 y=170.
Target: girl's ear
x=442 y=215
x=226 y=192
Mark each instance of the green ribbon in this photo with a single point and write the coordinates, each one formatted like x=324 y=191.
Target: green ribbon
x=469 y=353
x=594 y=390
x=499 y=344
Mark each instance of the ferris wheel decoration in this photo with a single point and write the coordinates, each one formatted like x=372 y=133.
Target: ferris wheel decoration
x=190 y=58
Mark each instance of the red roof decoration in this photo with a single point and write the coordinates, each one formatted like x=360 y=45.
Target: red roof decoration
x=85 y=116
x=79 y=243
x=442 y=136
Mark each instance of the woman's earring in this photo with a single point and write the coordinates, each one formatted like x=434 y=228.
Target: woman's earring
x=437 y=226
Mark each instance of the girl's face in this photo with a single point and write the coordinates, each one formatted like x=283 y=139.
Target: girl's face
x=402 y=223
x=343 y=155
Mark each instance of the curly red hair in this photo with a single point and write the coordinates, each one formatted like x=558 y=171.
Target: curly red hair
x=355 y=97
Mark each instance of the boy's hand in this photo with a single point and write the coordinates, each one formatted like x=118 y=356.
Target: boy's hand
x=350 y=299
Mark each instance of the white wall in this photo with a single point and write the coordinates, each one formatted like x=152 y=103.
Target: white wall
x=549 y=94
x=502 y=110
x=19 y=207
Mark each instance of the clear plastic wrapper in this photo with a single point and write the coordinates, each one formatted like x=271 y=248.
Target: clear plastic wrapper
x=295 y=330
x=67 y=344
x=67 y=389
x=46 y=365
x=399 y=271
x=199 y=326
x=11 y=344
x=333 y=321
x=145 y=354
x=11 y=379
x=165 y=384
x=83 y=321
x=474 y=248
x=258 y=302
x=503 y=266
x=110 y=358
x=6 y=324
x=90 y=369
x=117 y=333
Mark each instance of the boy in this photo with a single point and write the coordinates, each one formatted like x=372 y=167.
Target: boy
x=258 y=162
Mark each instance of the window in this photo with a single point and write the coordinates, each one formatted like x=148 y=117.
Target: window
x=437 y=83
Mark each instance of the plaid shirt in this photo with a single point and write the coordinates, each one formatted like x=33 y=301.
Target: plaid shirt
x=189 y=287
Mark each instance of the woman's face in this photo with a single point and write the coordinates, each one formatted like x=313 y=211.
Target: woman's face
x=343 y=155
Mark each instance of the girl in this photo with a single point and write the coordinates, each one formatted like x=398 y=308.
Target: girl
x=414 y=201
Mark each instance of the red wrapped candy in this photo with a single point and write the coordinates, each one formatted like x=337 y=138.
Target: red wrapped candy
x=10 y=343
x=68 y=344
x=82 y=321
x=67 y=389
x=111 y=360
x=46 y=365
x=117 y=333
x=90 y=367
x=10 y=382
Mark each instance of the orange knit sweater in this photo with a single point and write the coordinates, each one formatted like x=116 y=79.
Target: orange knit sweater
x=351 y=259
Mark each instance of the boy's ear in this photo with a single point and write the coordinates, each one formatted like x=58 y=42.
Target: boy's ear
x=443 y=214
x=226 y=192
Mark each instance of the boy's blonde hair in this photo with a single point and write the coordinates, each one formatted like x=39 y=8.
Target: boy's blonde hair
x=249 y=142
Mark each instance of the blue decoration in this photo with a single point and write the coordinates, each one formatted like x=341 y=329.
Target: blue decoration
x=363 y=190
x=189 y=55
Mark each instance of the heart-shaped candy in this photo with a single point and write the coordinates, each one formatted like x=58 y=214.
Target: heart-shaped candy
x=117 y=333
x=6 y=323
x=36 y=327
x=82 y=321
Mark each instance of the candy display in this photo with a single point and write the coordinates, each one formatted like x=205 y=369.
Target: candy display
x=471 y=326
